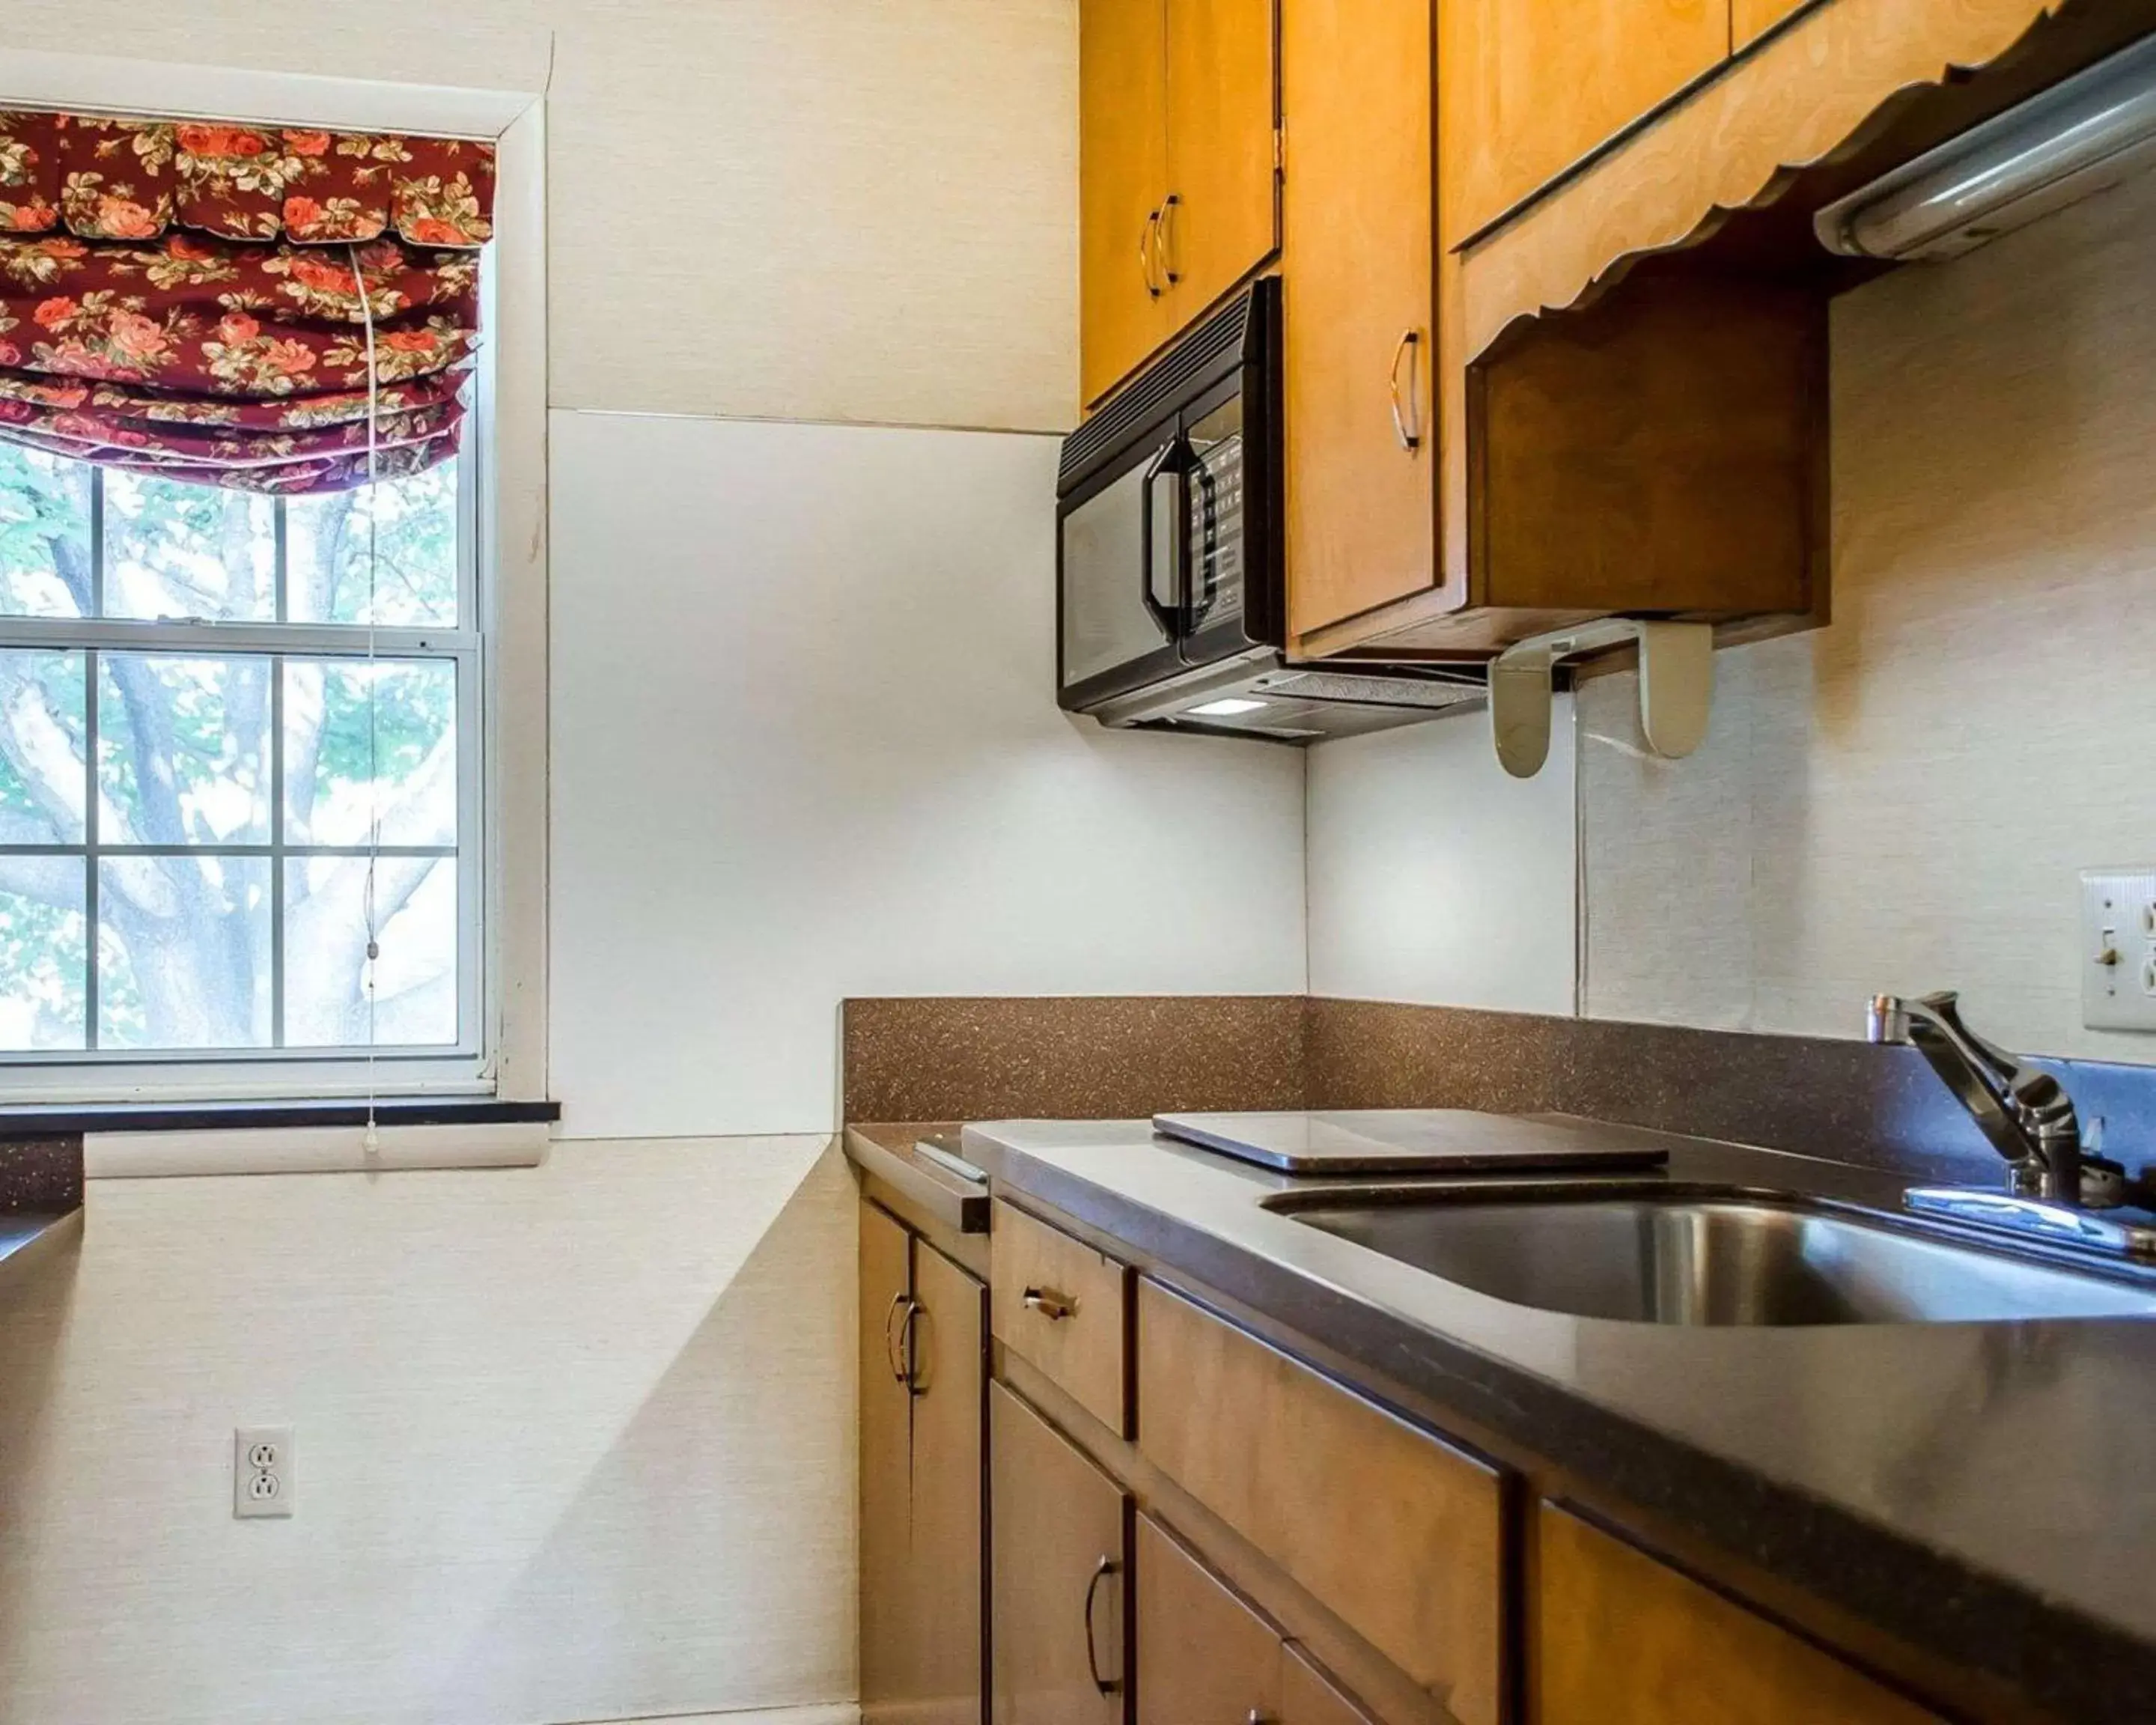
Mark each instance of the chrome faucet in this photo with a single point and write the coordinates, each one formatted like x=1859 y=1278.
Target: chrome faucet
x=2024 y=1112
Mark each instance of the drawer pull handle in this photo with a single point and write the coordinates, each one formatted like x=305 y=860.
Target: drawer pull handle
x=1102 y=1571
x=1050 y=1304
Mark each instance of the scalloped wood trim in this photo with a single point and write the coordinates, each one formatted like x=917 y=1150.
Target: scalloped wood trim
x=1805 y=97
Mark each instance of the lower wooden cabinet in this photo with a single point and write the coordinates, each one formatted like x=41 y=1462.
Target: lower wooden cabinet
x=1205 y=1657
x=923 y=1375
x=1310 y=1697
x=1060 y=1576
x=1620 y=1639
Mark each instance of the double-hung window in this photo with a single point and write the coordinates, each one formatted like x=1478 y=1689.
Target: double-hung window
x=240 y=735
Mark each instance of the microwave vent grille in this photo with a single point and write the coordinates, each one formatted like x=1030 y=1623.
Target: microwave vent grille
x=1152 y=395
x=1394 y=691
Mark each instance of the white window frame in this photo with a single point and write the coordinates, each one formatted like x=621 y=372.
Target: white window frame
x=502 y=863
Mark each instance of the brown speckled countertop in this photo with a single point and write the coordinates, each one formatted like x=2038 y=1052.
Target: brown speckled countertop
x=40 y=1174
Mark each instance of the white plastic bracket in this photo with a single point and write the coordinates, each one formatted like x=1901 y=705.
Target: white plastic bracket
x=1677 y=686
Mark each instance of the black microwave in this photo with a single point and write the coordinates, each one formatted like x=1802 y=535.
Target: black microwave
x=1169 y=565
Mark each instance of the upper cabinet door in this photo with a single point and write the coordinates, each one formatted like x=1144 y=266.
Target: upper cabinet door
x=1356 y=82
x=1223 y=175
x=1531 y=86
x=1122 y=182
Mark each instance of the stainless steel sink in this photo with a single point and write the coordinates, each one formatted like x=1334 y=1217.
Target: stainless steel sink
x=1679 y=1255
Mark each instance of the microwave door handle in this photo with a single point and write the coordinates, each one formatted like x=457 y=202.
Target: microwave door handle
x=1167 y=615
x=1209 y=555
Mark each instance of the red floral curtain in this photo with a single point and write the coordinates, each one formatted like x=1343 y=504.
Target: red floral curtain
x=186 y=299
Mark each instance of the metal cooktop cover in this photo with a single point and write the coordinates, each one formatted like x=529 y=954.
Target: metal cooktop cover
x=1392 y=1141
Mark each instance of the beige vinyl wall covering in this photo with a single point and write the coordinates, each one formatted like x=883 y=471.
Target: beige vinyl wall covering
x=572 y=1443
x=1904 y=801
x=814 y=210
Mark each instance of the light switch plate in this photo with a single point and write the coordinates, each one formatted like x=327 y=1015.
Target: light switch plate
x=2118 y=949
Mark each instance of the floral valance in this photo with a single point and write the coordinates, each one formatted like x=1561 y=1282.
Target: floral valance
x=194 y=300
x=132 y=179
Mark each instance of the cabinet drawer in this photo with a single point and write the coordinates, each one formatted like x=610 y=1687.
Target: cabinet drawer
x=1397 y=1532
x=1064 y=1306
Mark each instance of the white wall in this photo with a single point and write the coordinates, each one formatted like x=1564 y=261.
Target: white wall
x=814 y=209
x=572 y=1443
x=1904 y=801
x=1435 y=877
x=805 y=746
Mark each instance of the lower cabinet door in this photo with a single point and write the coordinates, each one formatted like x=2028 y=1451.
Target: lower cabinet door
x=947 y=1359
x=1620 y=1639
x=889 y=1651
x=1205 y=1657
x=1310 y=1697
x=1060 y=1575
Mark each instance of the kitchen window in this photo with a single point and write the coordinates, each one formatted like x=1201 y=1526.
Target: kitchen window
x=235 y=730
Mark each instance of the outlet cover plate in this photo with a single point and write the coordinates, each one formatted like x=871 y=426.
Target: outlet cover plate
x=265 y=1475
x=2118 y=917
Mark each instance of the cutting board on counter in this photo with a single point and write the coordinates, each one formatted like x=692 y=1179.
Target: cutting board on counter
x=1402 y=1141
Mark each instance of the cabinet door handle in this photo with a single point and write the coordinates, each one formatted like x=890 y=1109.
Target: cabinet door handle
x=899 y=1302
x=909 y=1363
x=1407 y=422
x=1167 y=272
x=1147 y=251
x=1107 y=1685
x=1049 y=1304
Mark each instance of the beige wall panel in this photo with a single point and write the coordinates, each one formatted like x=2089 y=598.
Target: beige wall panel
x=573 y=1442
x=1904 y=801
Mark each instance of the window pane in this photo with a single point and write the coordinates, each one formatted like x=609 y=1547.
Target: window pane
x=413 y=552
x=42 y=748
x=325 y=951
x=183 y=952
x=343 y=768
x=43 y=965
x=44 y=535
x=184 y=749
x=180 y=550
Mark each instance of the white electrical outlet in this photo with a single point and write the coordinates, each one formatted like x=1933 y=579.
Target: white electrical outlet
x=2118 y=949
x=264 y=1479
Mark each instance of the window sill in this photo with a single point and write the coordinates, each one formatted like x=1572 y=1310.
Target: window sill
x=150 y=1141
x=41 y=1121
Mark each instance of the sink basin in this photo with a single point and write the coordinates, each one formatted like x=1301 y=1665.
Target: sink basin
x=1700 y=1255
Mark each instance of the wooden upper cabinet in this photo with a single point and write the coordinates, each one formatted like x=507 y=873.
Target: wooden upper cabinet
x=1751 y=19
x=1060 y=1575
x=1531 y=86
x=1179 y=186
x=1359 y=203
x=1123 y=180
x=1205 y=1657
x=1620 y=1639
x=1222 y=219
